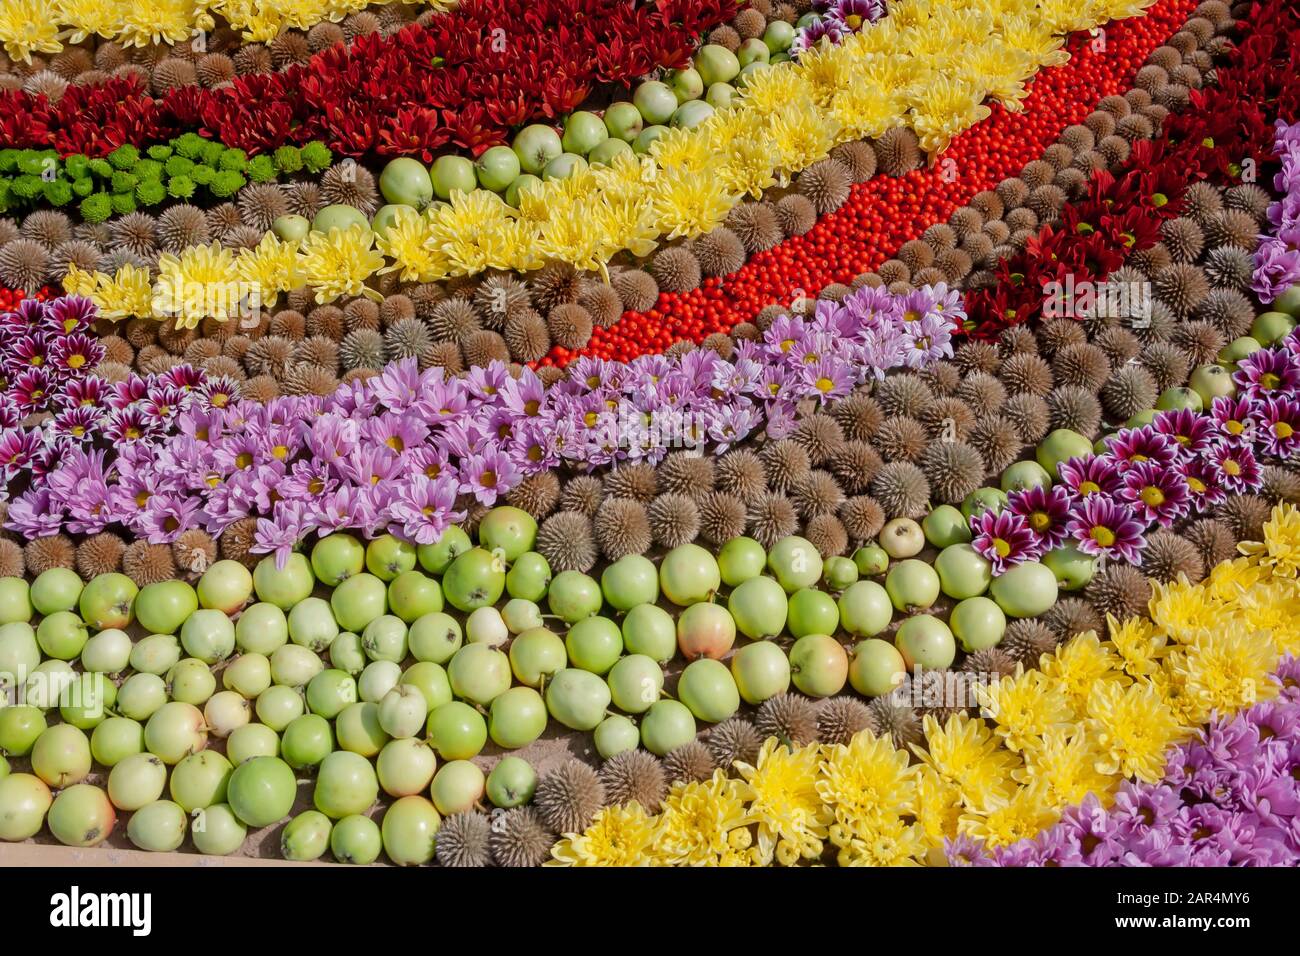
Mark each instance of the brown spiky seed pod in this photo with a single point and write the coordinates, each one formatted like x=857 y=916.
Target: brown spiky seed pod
x=569 y=797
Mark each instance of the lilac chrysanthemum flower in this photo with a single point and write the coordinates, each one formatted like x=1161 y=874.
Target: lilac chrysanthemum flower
x=398 y=386
x=35 y=514
x=1237 y=468
x=1233 y=417
x=1137 y=445
x=1192 y=432
x=487 y=475
x=1158 y=494
x=1277 y=268
x=1046 y=512
x=927 y=341
x=1104 y=528
x=828 y=378
x=280 y=534
x=1004 y=539
x=167 y=516
x=1090 y=475
x=1279 y=426
x=422 y=508
x=1266 y=373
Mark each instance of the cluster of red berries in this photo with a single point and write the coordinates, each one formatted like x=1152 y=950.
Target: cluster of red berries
x=883 y=213
x=10 y=298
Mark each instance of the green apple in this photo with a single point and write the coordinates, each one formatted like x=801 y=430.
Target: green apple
x=813 y=612
x=339 y=216
x=437 y=557
x=291 y=227
x=667 y=725
x=635 y=682
x=871 y=560
x=1060 y=445
x=1269 y=328
x=56 y=589
x=761 y=671
x=413 y=594
x=650 y=630
x=1073 y=568
x=902 y=538
x=1211 y=382
x=741 y=559
x=631 y=580
x=977 y=623
x=1026 y=590
x=623 y=121
x=614 y=735
x=107 y=601
x=983 y=499
x=876 y=668
x=387 y=557
x=688 y=574
x=497 y=168
x=839 y=573
x=819 y=665
x=759 y=607
x=654 y=100
x=925 y=641
x=716 y=64
x=686 y=84
x=452 y=174
x=795 y=563
x=337 y=557
x=912 y=584
x=865 y=609
x=707 y=688
x=944 y=526
x=963 y=572
x=406 y=182
x=283 y=587
x=1024 y=475
x=577 y=698
x=506 y=530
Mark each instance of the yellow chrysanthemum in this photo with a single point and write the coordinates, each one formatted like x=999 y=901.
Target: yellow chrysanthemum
x=683 y=150
x=768 y=91
x=747 y=166
x=936 y=804
x=1133 y=726
x=687 y=203
x=197 y=284
x=1006 y=819
x=1222 y=671
x=270 y=267
x=1078 y=664
x=801 y=136
x=26 y=28
x=865 y=112
x=943 y=108
x=411 y=245
x=79 y=282
x=469 y=232
x=339 y=262
x=866 y=777
x=697 y=821
x=1279 y=552
x=85 y=18
x=618 y=836
x=1139 y=645
x=148 y=22
x=1273 y=609
x=1023 y=708
x=781 y=789
x=879 y=841
x=125 y=294
x=1066 y=763
x=1229 y=580
x=1183 y=610
x=966 y=752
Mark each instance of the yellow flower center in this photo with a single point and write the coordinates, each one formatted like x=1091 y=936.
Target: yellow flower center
x=1089 y=487
x=316 y=486
x=133 y=432
x=1040 y=521
x=911 y=315
x=787 y=345
x=76 y=361
x=1283 y=430
x=1152 y=496
x=1103 y=536
x=1139 y=458
x=1231 y=467
x=824 y=384
x=1002 y=548
x=281 y=452
x=1234 y=427
x=531 y=408
x=488 y=479
x=432 y=471
x=1269 y=380
x=244 y=460
x=395 y=442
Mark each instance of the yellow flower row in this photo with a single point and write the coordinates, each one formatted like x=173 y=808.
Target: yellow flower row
x=927 y=65
x=38 y=26
x=1095 y=713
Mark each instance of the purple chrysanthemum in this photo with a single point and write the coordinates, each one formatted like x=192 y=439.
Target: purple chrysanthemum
x=1266 y=373
x=1233 y=417
x=1191 y=432
x=1278 y=426
x=1104 y=528
x=1204 y=484
x=1046 y=512
x=1137 y=445
x=423 y=508
x=1158 y=494
x=1005 y=539
x=1090 y=475
x=1236 y=467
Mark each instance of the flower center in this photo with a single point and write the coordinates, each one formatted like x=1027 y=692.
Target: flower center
x=432 y=471
x=1196 y=485
x=1269 y=380
x=787 y=345
x=1001 y=547
x=1232 y=468
x=1103 y=536
x=1040 y=521
x=281 y=452
x=530 y=408
x=1283 y=430
x=316 y=486
x=171 y=524
x=1139 y=458
x=76 y=361
x=1089 y=488
x=1234 y=427
x=1152 y=496
x=824 y=384
x=911 y=315
x=244 y=460
x=489 y=479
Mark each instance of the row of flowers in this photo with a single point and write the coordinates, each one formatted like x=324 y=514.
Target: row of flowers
x=1098 y=716
x=465 y=80
x=789 y=117
x=1229 y=798
x=1182 y=463
x=32 y=26
x=1226 y=132
x=1277 y=258
x=882 y=213
x=402 y=450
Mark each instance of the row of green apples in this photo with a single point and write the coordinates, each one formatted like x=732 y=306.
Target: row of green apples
x=682 y=99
